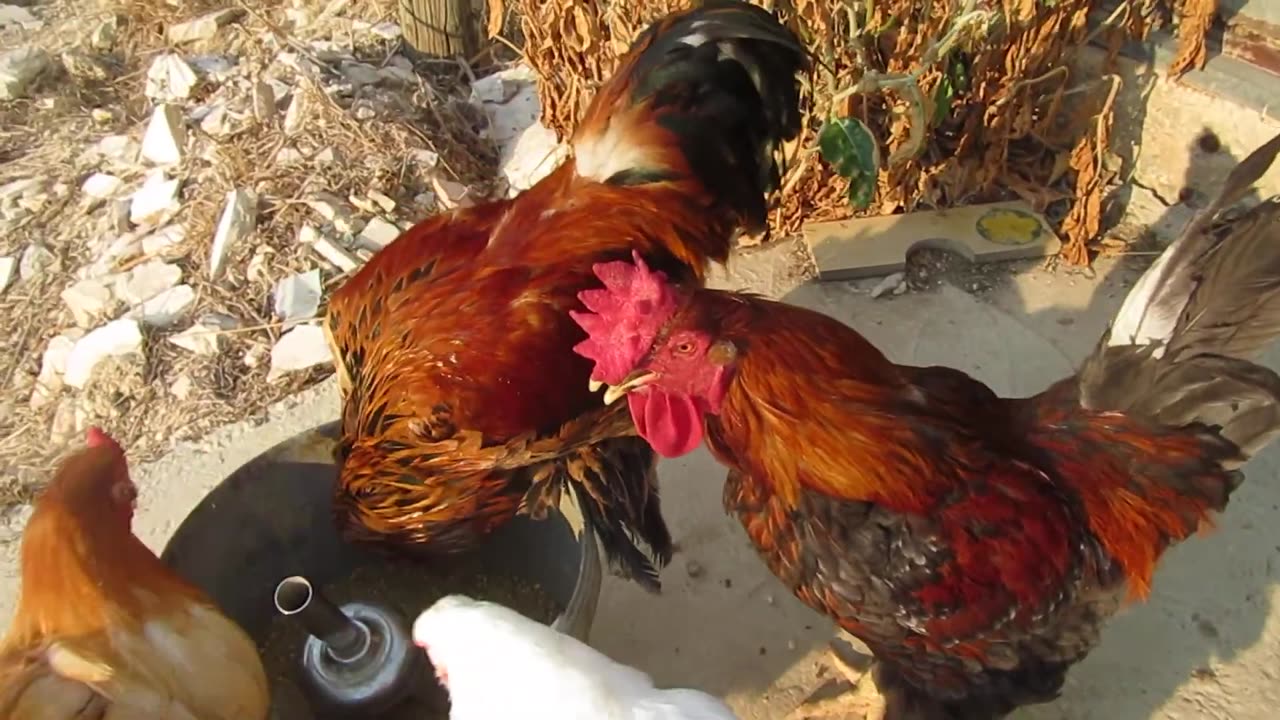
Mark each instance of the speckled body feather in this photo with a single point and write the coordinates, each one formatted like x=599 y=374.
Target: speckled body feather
x=463 y=402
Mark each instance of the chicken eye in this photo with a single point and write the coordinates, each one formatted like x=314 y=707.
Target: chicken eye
x=685 y=348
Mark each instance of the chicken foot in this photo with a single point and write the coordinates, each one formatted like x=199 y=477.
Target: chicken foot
x=863 y=700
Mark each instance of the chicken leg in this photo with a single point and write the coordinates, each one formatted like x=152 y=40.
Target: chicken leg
x=862 y=701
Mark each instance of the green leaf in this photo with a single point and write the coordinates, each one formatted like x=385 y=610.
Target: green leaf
x=853 y=152
x=942 y=97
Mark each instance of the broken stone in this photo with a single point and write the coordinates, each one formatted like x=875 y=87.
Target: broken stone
x=359 y=73
x=166 y=136
x=288 y=156
x=213 y=68
x=379 y=233
x=166 y=308
x=383 y=201
x=53 y=365
x=425 y=159
x=35 y=260
x=295 y=116
x=254 y=356
x=101 y=186
x=298 y=349
x=7 y=266
x=63 y=426
x=147 y=281
x=181 y=388
x=327 y=156
x=103 y=36
x=257 y=268
x=395 y=75
x=334 y=211
x=18 y=68
x=164 y=240
x=493 y=89
x=386 y=30
x=326 y=248
x=169 y=78
x=297 y=297
x=890 y=283
x=450 y=194
x=19 y=17
x=264 y=102
x=215 y=121
x=239 y=218
x=203 y=27
x=202 y=338
x=102 y=116
x=155 y=200
x=80 y=64
x=88 y=300
x=115 y=339
x=119 y=148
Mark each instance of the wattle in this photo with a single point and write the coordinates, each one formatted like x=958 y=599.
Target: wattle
x=670 y=422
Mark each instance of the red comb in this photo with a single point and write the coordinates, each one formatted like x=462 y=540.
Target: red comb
x=97 y=437
x=626 y=315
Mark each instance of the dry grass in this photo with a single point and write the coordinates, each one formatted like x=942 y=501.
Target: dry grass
x=46 y=137
x=1011 y=132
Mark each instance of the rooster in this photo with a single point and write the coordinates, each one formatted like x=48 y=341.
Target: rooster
x=498 y=664
x=463 y=401
x=104 y=630
x=976 y=544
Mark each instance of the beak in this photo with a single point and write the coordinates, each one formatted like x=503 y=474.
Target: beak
x=639 y=378
x=594 y=385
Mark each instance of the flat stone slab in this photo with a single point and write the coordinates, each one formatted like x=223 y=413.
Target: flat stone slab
x=867 y=247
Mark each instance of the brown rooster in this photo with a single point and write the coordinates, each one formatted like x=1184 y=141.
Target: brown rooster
x=975 y=544
x=463 y=401
x=104 y=630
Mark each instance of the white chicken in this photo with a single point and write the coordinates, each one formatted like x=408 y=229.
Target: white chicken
x=498 y=664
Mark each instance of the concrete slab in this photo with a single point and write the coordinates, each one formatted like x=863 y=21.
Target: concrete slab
x=1206 y=645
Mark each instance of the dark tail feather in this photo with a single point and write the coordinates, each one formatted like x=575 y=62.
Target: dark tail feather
x=718 y=83
x=1181 y=348
x=615 y=484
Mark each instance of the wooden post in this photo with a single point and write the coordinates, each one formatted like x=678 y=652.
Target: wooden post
x=442 y=28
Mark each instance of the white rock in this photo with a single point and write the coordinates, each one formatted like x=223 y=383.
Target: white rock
x=101 y=186
x=203 y=27
x=383 y=201
x=297 y=297
x=326 y=248
x=156 y=199
x=166 y=136
x=116 y=338
x=425 y=159
x=170 y=78
x=181 y=388
x=239 y=218
x=216 y=121
x=450 y=194
x=119 y=148
x=298 y=349
x=530 y=156
x=334 y=211
x=201 y=338
x=53 y=365
x=35 y=260
x=88 y=300
x=164 y=240
x=387 y=30
x=379 y=233
x=18 y=68
x=890 y=283
x=147 y=281
x=166 y=308
x=7 y=266
x=19 y=17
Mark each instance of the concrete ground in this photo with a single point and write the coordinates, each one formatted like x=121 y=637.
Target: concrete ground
x=1206 y=645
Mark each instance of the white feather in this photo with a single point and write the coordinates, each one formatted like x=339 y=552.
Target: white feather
x=1146 y=317
x=500 y=664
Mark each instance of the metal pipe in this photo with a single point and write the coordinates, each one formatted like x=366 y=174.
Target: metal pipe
x=345 y=638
